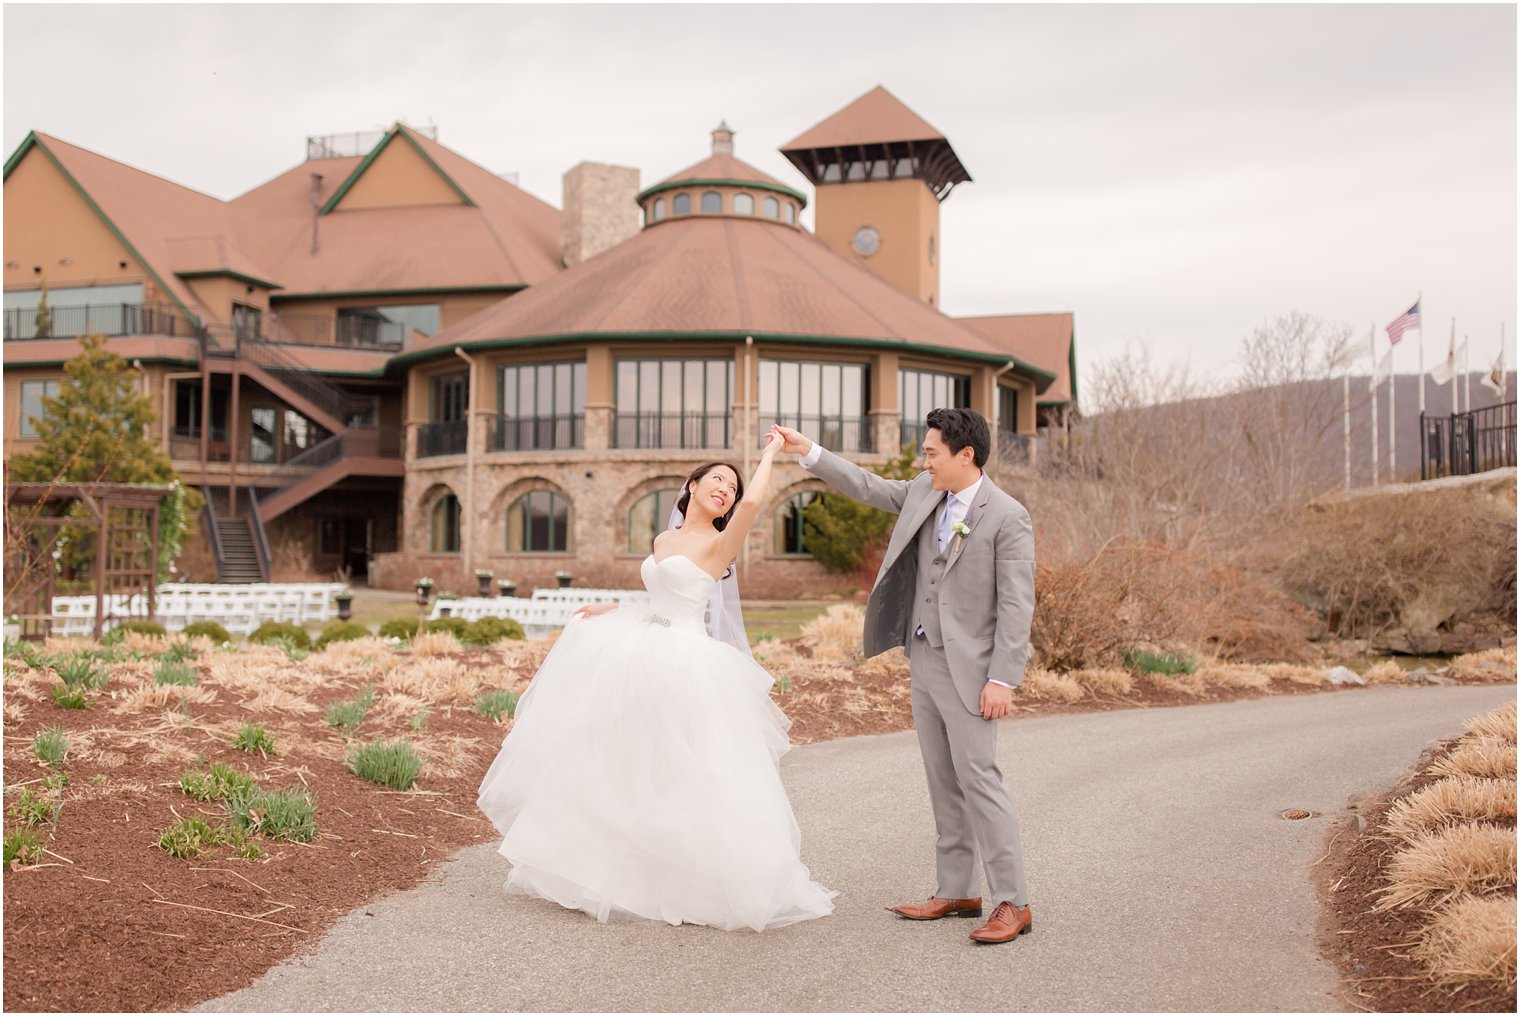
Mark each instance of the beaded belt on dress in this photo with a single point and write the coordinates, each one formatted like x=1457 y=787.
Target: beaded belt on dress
x=663 y=622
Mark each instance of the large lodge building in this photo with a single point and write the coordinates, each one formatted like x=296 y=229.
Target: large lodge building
x=391 y=360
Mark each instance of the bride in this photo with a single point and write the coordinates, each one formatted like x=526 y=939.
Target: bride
x=640 y=776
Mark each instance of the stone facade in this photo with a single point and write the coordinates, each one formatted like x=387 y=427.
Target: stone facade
x=601 y=486
x=600 y=210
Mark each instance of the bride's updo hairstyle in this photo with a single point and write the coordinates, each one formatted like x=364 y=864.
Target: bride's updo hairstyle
x=721 y=522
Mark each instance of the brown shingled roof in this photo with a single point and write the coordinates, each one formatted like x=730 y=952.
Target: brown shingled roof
x=718 y=276
x=1044 y=340
x=722 y=166
x=876 y=117
x=508 y=239
x=173 y=228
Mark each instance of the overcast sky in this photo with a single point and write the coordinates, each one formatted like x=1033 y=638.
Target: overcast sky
x=1173 y=175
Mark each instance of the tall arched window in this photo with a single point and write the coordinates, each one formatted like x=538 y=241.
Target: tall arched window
x=445 y=539
x=772 y=208
x=538 y=522
x=648 y=517
x=744 y=204
x=682 y=204
x=659 y=209
x=788 y=524
x=712 y=201
x=791 y=214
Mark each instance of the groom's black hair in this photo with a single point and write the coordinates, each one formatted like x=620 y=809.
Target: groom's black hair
x=721 y=522
x=961 y=427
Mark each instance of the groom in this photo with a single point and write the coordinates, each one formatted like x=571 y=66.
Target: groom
x=956 y=590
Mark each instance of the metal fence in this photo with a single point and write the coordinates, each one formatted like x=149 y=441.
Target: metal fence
x=1466 y=443
x=23 y=323
x=671 y=430
x=836 y=433
x=527 y=433
x=448 y=437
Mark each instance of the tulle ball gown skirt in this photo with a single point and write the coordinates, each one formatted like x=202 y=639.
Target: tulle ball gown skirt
x=640 y=780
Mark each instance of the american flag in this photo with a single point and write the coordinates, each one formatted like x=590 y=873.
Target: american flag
x=1405 y=321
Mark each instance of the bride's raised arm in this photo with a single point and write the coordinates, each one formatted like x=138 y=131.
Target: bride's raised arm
x=732 y=539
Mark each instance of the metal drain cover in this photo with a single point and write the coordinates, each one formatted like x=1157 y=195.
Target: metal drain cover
x=1297 y=813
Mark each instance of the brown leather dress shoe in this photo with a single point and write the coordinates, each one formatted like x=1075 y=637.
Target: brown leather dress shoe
x=1007 y=923
x=937 y=908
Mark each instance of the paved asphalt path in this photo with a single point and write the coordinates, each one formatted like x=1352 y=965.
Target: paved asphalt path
x=1163 y=879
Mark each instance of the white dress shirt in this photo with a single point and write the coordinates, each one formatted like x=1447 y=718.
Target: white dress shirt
x=957 y=504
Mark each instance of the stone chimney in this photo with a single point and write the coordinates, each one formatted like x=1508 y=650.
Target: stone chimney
x=599 y=210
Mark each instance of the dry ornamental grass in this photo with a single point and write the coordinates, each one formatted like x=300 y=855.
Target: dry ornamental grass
x=1437 y=866
x=1498 y=724
x=1450 y=801
x=1491 y=757
x=1471 y=940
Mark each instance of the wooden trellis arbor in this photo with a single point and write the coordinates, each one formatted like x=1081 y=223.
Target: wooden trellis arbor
x=114 y=524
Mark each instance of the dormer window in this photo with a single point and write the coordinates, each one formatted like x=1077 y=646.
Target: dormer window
x=683 y=204
x=712 y=202
x=772 y=208
x=659 y=209
x=744 y=204
x=791 y=213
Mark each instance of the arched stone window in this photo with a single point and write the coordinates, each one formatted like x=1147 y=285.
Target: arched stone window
x=538 y=522
x=791 y=214
x=647 y=517
x=445 y=534
x=659 y=209
x=772 y=208
x=682 y=204
x=712 y=201
x=744 y=204
x=787 y=524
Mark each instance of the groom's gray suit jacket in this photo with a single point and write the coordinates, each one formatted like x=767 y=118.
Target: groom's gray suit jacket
x=982 y=599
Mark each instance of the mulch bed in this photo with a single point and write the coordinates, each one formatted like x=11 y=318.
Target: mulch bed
x=111 y=922
x=1370 y=947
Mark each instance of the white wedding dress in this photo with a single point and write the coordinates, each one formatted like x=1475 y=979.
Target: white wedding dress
x=640 y=776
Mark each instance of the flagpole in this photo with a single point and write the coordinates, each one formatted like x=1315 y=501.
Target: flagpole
x=1466 y=378
x=1393 y=418
x=1372 y=341
x=1421 y=301
x=1346 y=424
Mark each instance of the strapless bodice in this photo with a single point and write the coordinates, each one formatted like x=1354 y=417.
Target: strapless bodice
x=678 y=591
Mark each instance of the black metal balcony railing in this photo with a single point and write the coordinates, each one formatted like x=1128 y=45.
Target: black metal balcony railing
x=911 y=432
x=671 y=430
x=355 y=442
x=836 y=433
x=1466 y=443
x=527 y=433
x=21 y=323
x=446 y=437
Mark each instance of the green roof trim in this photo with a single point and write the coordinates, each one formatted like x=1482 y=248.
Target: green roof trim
x=33 y=141
x=706 y=182
x=21 y=150
x=353 y=294
x=213 y=273
x=391 y=135
x=170 y=360
x=990 y=359
x=1071 y=363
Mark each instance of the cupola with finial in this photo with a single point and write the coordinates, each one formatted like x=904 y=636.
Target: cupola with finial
x=721 y=186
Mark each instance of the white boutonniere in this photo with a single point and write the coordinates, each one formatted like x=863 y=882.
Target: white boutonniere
x=961 y=531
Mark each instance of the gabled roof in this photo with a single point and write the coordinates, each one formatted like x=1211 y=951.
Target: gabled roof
x=877 y=117
x=407 y=136
x=1045 y=340
x=167 y=227
x=503 y=239
x=723 y=168
x=721 y=278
